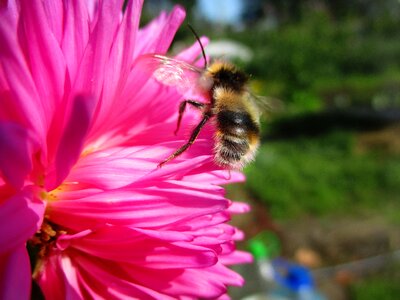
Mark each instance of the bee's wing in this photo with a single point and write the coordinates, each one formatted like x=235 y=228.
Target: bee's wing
x=170 y=71
x=266 y=104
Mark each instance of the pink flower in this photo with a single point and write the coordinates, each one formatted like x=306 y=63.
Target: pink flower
x=82 y=130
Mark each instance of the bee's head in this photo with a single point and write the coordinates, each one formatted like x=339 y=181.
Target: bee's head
x=228 y=76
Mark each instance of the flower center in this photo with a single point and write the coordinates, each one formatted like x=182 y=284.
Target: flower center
x=41 y=245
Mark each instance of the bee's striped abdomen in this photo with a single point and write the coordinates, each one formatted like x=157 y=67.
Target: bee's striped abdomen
x=235 y=135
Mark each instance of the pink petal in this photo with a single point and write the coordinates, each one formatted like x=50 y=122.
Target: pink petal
x=191 y=53
x=216 y=177
x=236 y=257
x=121 y=244
x=48 y=71
x=157 y=207
x=60 y=280
x=109 y=172
x=75 y=35
x=20 y=217
x=16 y=149
x=72 y=140
x=53 y=11
x=164 y=28
x=239 y=208
x=196 y=224
x=115 y=168
x=176 y=169
x=22 y=100
x=15 y=274
x=96 y=276
x=119 y=65
x=90 y=76
x=193 y=283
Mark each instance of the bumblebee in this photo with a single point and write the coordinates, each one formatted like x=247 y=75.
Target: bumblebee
x=231 y=105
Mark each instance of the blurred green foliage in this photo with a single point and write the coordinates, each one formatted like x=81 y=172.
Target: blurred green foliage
x=383 y=287
x=325 y=62
x=321 y=176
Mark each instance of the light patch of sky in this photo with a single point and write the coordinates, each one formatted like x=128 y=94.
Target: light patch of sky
x=221 y=11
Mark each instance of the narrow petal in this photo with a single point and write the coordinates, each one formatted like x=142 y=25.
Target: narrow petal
x=198 y=283
x=75 y=35
x=110 y=172
x=239 y=208
x=72 y=141
x=48 y=71
x=23 y=99
x=92 y=69
x=118 y=64
x=96 y=276
x=59 y=279
x=53 y=11
x=15 y=274
x=236 y=257
x=163 y=28
x=190 y=54
x=20 y=217
x=121 y=244
x=217 y=177
x=16 y=148
x=157 y=208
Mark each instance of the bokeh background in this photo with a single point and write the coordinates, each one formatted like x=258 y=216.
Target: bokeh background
x=325 y=187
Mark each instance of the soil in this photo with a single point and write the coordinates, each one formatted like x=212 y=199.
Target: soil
x=339 y=250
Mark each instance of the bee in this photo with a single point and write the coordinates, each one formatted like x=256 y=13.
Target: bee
x=231 y=106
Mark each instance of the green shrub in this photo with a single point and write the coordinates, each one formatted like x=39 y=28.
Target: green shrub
x=321 y=175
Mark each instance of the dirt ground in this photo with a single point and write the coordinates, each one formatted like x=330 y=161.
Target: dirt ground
x=339 y=250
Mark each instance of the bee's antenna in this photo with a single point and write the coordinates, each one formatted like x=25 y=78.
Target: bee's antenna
x=201 y=45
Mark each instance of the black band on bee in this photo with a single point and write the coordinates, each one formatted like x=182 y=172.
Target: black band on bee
x=236 y=122
x=232 y=79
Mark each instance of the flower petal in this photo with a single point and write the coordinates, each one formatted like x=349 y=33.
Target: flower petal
x=157 y=36
x=92 y=69
x=157 y=207
x=110 y=172
x=96 y=276
x=236 y=257
x=60 y=279
x=48 y=71
x=197 y=283
x=72 y=141
x=118 y=65
x=125 y=245
x=21 y=102
x=16 y=149
x=20 y=217
x=15 y=274
x=75 y=35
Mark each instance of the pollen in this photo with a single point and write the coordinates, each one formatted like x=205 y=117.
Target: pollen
x=42 y=245
x=56 y=194
x=49 y=196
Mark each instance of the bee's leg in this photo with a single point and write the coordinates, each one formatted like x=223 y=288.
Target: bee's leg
x=191 y=140
x=182 y=107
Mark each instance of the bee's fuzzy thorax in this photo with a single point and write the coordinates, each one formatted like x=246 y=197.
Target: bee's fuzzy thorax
x=227 y=75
